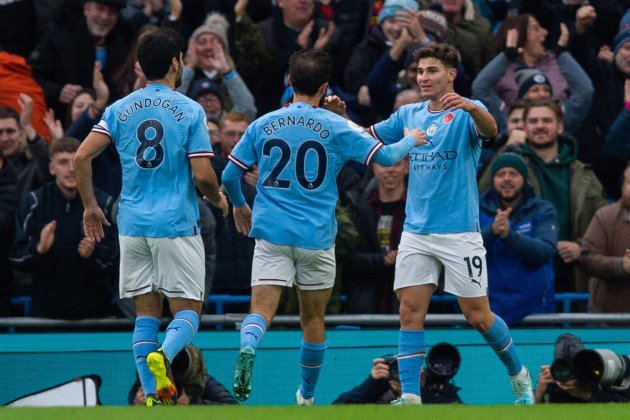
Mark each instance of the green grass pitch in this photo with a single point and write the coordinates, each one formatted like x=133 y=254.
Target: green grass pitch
x=362 y=412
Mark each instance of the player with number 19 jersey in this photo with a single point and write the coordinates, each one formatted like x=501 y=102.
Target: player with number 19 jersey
x=300 y=150
x=443 y=173
x=156 y=130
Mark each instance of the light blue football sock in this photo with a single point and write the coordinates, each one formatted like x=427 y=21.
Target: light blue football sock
x=180 y=332
x=311 y=359
x=411 y=354
x=498 y=337
x=145 y=341
x=252 y=330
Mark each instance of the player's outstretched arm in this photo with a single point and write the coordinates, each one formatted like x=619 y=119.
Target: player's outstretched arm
x=484 y=121
x=207 y=183
x=392 y=153
x=93 y=216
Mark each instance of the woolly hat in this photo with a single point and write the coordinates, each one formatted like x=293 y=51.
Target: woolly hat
x=217 y=25
x=509 y=160
x=434 y=23
x=624 y=32
x=527 y=77
x=390 y=7
x=204 y=85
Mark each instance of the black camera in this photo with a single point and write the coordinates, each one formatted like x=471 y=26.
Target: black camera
x=562 y=370
x=392 y=362
x=443 y=363
x=603 y=367
x=594 y=367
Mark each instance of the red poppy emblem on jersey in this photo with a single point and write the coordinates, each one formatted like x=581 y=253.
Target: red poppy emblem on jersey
x=448 y=117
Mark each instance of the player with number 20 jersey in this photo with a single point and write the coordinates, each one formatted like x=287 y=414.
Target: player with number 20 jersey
x=300 y=150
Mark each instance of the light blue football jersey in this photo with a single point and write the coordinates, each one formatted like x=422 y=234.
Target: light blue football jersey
x=156 y=130
x=442 y=194
x=300 y=150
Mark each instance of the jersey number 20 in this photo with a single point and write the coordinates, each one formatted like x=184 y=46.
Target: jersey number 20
x=273 y=179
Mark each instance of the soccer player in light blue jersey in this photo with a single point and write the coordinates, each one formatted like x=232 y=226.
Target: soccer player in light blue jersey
x=441 y=230
x=164 y=147
x=299 y=151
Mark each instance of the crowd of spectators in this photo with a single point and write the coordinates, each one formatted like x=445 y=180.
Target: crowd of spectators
x=552 y=72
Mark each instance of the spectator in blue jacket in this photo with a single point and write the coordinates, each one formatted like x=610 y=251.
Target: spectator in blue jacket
x=520 y=231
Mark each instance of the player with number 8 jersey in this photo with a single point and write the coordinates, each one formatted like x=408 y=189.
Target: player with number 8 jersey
x=164 y=147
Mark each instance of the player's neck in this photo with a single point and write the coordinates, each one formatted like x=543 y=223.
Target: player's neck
x=435 y=104
x=311 y=100
x=168 y=81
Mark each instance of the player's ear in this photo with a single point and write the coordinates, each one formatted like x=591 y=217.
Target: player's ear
x=452 y=74
x=322 y=89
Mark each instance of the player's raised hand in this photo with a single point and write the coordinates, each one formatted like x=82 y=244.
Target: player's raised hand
x=243 y=219
x=452 y=101
x=93 y=221
x=333 y=103
x=420 y=136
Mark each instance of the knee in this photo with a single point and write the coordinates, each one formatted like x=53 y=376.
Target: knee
x=479 y=320
x=409 y=312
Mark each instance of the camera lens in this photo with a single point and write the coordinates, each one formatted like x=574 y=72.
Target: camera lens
x=442 y=365
x=561 y=370
x=393 y=371
x=443 y=361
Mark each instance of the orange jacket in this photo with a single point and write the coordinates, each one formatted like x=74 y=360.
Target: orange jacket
x=16 y=77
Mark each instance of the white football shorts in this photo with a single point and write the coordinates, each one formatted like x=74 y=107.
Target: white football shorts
x=421 y=257
x=174 y=267
x=281 y=265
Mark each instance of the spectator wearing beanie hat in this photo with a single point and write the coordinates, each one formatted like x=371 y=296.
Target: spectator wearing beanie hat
x=209 y=96
x=522 y=51
x=208 y=58
x=520 y=232
x=532 y=83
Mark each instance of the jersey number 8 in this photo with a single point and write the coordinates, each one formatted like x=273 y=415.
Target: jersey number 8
x=150 y=153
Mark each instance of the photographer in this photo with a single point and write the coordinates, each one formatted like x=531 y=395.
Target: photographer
x=194 y=385
x=562 y=381
x=383 y=384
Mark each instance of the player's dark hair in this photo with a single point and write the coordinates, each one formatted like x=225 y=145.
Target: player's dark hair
x=157 y=50
x=447 y=54
x=545 y=102
x=64 y=144
x=309 y=69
